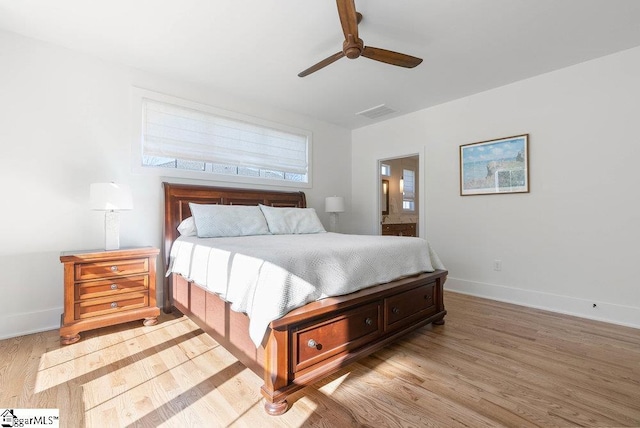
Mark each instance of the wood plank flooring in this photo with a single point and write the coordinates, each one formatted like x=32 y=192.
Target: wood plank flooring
x=492 y=364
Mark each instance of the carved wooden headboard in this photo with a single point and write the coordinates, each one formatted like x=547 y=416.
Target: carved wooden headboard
x=176 y=208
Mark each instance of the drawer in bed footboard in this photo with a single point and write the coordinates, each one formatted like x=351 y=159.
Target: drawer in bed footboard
x=409 y=306
x=318 y=341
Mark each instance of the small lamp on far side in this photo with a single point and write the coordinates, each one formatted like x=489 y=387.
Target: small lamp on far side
x=110 y=198
x=334 y=205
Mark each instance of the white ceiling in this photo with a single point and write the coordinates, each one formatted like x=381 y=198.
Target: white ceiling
x=255 y=49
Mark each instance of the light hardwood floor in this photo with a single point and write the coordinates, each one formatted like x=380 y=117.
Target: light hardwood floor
x=491 y=364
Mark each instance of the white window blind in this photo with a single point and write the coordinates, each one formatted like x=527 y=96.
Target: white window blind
x=409 y=177
x=173 y=131
x=409 y=189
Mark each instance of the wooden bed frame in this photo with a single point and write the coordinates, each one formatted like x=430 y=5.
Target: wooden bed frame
x=310 y=342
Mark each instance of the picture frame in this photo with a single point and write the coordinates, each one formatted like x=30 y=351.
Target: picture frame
x=495 y=166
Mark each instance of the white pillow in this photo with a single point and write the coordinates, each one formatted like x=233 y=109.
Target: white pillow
x=284 y=221
x=187 y=227
x=213 y=221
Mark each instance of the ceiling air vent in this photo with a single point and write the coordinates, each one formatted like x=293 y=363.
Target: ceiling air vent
x=376 y=112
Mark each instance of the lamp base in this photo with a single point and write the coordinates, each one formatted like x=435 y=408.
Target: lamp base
x=111 y=230
x=333 y=222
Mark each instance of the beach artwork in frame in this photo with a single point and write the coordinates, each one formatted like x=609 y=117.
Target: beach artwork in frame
x=495 y=166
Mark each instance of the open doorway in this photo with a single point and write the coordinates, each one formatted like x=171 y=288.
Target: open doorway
x=399 y=205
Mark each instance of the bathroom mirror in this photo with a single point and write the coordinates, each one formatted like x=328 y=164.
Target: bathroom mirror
x=384 y=197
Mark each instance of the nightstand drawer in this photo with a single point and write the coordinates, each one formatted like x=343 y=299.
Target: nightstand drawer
x=107 y=305
x=115 y=286
x=85 y=271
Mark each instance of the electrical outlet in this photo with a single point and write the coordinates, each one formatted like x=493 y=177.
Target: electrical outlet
x=497 y=265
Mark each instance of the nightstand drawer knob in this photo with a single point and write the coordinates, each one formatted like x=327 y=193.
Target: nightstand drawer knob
x=114 y=286
x=114 y=305
x=395 y=310
x=114 y=268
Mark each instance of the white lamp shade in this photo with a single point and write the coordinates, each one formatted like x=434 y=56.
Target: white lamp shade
x=110 y=197
x=334 y=204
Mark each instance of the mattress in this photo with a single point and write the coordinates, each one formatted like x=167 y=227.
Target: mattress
x=266 y=276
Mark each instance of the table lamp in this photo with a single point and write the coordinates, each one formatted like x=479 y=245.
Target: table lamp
x=110 y=198
x=334 y=205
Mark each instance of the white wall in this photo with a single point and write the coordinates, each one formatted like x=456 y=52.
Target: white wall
x=571 y=242
x=65 y=122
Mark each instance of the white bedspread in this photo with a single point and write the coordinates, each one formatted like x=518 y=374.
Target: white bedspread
x=269 y=275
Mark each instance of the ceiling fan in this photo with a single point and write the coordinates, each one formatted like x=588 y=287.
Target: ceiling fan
x=353 y=46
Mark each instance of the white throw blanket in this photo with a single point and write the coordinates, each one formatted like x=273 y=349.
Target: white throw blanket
x=267 y=276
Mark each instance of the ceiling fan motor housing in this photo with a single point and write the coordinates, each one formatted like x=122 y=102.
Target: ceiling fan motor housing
x=352 y=47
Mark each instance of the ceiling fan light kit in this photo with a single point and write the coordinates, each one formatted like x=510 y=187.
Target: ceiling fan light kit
x=353 y=47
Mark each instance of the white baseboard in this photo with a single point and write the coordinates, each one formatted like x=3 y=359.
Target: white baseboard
x=29 y=323
x=36 y=322
x=608 y=312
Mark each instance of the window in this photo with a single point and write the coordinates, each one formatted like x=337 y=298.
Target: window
x=385 y=169
x=186 y=139
x=408 y=189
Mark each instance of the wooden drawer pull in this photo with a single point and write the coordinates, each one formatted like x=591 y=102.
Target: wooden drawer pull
x=312 y=343
x=114 y=305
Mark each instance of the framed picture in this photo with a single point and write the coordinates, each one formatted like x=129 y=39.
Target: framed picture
x=495 y=166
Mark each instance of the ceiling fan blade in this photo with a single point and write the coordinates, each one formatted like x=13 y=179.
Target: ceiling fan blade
x=321 y=64
x=348 y=17
x=391 y=57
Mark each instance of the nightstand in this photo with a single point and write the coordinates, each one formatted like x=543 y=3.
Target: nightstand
x=103 y=288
